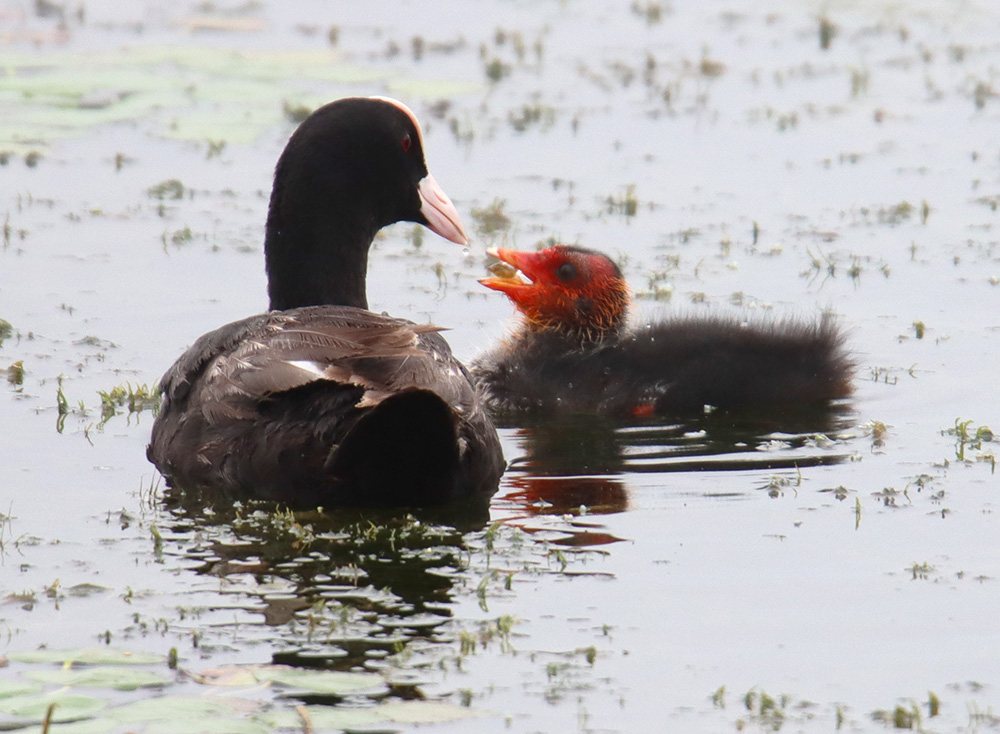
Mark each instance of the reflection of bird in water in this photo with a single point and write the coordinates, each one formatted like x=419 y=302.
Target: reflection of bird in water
x=568 y=446
x=571 y=466
x=548 y=495
x=576 y=500
x=354 y=584
x=576 y=353
x=578 y=445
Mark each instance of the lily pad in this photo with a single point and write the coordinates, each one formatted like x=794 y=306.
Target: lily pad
x=191 y=92
x=233 y=124
x=427 y=712
x=16 y=688
x=69 y=707
x=89 y=656
x=229 y=675
x=323 y=717
x=329 y=682
x=88 y=726
x=190 y=715
x=179 y=709
x=399 y=712
x=120 y=678
x=432 y=88
x=209 y=726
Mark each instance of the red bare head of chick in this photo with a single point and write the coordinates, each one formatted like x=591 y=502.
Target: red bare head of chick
x=570 y=290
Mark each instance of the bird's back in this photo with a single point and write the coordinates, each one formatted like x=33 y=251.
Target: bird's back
x=671 y=367
x=325 y=405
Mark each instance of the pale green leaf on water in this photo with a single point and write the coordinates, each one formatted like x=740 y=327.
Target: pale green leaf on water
x=399 y=712
x=69 y=707
x=193 y=92
x=87 y=726
x=122 y=678
x=168 y=715
x=63 y=83
x=208 y=59
x=236 y=62
x=229 y=675
x=89 y=656
x=140 y=69
x=76 y=119
x=427 y=712
x=180 y=709
x=330 y=682
x=234 y=725
x=279 y=67
x=323 y=717
x=218 y=91
x=190 y=715
x=431 y=88
x=229 y=124
x=17 y=688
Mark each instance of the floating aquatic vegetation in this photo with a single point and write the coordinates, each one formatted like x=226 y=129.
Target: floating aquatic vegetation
x=169 y=189
x=491 y=219
x=624 y=203
x=186 y=92
x=25 y=702
x=967 y=437
x=121 y=679
x=827 y=31
x=137 y=398
x=530 y=115
x=88 y=656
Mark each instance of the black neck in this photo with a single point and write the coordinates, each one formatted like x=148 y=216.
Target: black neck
x=340 y=179
x=320 y=223
x=316 y=261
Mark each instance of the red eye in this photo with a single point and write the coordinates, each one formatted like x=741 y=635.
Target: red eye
x=405 y=143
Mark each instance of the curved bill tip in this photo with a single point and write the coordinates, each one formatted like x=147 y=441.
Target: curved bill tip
x=504 y=285
x=441 y=215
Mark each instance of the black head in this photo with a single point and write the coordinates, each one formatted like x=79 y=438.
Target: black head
x=351 y=168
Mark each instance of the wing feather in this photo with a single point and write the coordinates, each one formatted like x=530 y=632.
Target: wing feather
x=248 y=361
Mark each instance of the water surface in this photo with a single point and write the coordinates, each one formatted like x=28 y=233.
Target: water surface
x=626 y=579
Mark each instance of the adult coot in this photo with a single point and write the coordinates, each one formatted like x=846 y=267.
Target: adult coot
x=320 y=401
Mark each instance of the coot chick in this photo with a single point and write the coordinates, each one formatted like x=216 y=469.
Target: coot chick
x=320 y=401
x=576 y=353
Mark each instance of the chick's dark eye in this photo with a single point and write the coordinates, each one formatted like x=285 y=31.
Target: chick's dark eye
x=405 y=143
x=566 y=272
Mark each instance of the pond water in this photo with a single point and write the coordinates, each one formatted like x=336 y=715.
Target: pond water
x=775 y=159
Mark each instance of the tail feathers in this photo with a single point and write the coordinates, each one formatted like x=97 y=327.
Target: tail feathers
x=403 y=451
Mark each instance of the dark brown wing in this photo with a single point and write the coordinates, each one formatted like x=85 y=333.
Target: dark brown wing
x=245 y=362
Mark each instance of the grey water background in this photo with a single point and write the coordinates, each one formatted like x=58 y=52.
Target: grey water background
x=769 y=176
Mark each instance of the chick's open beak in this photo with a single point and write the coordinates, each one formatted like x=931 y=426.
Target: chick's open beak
x=514 y=273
